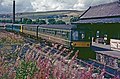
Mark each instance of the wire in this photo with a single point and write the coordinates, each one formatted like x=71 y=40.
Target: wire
x=92 y=2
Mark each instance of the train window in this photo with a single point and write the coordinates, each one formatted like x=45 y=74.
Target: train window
x=16 y=27
x=27 y=28
x=40 y=30
x=30 y=29
x=35 y=29
x=65 y=35
x=24 y=28
x=75 y=35
x=98 y=34
x=62 y=34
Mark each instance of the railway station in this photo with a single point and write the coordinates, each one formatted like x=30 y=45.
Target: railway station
x=88 y=48
x=104 y=21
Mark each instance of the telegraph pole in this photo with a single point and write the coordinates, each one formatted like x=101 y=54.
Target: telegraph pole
x=13 y=11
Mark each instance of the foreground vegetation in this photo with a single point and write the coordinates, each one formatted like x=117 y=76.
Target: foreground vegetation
x=28 y=61
x=7 y=38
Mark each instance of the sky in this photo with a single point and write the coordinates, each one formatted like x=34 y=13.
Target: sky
x=48 y=5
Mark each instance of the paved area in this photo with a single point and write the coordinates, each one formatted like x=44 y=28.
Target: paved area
x=105 y=49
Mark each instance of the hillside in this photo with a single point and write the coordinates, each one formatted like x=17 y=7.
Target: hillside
x=64 y=15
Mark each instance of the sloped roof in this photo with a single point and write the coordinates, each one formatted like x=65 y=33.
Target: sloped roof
x=100 y=20
x=103 y=10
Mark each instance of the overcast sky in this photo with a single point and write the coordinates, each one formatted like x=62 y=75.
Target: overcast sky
x=48 y=5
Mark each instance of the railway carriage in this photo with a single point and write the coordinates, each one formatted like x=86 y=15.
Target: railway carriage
x=68 y=35
x=17 y=27
x=14 y=27
x=2 y=26
x=30 y=30
x=56 y=33
x=9 y=27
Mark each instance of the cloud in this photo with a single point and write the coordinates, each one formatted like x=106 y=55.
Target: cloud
x=21 y=6
x=53 y=4
x=43 y=5
x=48 y=5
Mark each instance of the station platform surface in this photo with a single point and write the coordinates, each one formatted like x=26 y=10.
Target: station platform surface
x=105 y=49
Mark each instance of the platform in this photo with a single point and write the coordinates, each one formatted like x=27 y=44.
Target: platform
x=105 y=49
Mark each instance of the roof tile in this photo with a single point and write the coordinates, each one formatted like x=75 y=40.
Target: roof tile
x=103 y=10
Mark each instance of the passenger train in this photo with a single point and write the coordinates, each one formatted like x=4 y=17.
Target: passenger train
x=70 y=36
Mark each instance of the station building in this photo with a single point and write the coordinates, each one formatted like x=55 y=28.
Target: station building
x=104 y=23
x=103 y=20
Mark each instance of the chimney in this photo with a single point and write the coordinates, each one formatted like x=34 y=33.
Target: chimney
x=13 y=11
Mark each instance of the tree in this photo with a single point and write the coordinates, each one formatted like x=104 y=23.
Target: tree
x=17 y=22
x=42 y=22
x=52 y=21
x=74 y=19
x=24 y=20
x=34 y=22
x=10 y=21
x=37 y=21
x=29 y=21
x=3 y=21
x=60 y=22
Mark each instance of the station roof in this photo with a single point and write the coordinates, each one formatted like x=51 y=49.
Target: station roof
x=103 y=10
x=100 y=20
x=104 y=13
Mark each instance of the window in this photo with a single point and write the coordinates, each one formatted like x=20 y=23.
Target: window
x=62 y=34
x=98 y=34
x=41 y=30
x=82 y=35
x=75 y=35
